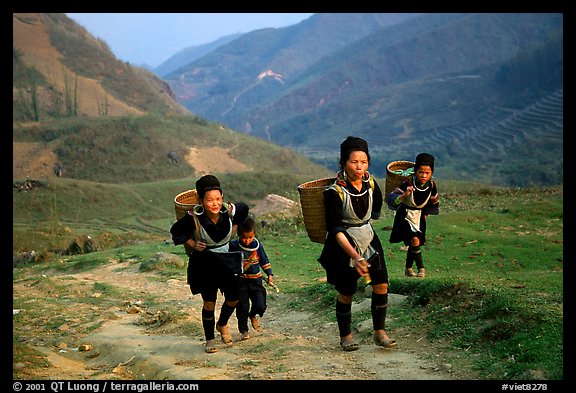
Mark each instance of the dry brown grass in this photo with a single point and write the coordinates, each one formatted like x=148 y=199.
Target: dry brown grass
x=31 y=37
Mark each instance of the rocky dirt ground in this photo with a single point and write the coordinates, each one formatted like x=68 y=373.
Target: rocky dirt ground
x=133 y=343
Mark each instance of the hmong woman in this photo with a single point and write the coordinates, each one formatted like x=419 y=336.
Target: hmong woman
x=414 y=199
x=205 y=233
x=352 y=248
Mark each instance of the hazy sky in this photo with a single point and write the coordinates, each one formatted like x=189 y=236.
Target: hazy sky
x=151 y=38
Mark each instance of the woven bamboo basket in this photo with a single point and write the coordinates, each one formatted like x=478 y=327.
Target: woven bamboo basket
x=393 y=180
x=312 y=201
x=184 y=202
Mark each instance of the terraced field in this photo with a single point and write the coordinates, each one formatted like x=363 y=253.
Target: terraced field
x=503 y=143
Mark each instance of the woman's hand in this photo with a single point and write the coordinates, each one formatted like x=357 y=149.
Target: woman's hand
x=361 y=265
x=200 y=245
x=193 y=245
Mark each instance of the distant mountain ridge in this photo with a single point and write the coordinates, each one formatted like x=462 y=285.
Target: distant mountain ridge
x=188 y=55
x=406 y=82
x=211 y=84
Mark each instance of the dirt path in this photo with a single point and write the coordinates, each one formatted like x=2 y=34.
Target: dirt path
x=202 y=160
x=37 y=160
x=292 y=346
x=33 y=160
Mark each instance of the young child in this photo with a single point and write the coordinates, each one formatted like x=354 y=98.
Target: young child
x=413 y=200
x=251 y=288
x=206 y=232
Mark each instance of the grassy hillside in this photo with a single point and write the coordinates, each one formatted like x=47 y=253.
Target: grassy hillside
x=135 y=148
x=60 y=70
x=493 y=295
x=47 y=218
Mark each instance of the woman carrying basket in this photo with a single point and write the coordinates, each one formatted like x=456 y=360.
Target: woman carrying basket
x=206 y=232
x=352 y=248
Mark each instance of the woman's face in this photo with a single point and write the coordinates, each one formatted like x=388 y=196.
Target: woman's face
x=357 y=165
x=212 y=201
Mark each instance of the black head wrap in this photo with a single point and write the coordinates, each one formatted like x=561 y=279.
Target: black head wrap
x=207 y=183
x=424 y=159
x=351 y=144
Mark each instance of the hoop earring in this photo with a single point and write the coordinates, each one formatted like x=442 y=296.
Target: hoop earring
x=198 y=210
x=224 y=208
x=366 y=176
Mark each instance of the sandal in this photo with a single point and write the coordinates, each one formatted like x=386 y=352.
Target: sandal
x=409 y=273
x=211 y=346
x=224 y=334
x=421 y=272
x=384 y=342
x=255 y=323
x=349 y=344
x=245 y=336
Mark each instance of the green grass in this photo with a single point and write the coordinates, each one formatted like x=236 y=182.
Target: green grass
x=495 y=280
x=47 y=218
x=494 y=257
x=509 y=329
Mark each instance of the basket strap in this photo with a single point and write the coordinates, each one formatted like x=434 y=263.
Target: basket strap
x=196 y=226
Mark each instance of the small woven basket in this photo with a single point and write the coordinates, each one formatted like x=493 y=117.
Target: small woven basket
x=184 y=202
x=393 y=180
x=312 y=201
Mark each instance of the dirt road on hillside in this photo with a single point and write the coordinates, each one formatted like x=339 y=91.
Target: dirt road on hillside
x=133 y=342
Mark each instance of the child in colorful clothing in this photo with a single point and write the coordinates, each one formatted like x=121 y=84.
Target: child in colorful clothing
x=206 y=232
x=251 y=288
x=413 y=200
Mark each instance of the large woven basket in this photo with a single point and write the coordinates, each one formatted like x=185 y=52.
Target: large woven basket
x=393 y=180
x=312 y=201
x=184 y=202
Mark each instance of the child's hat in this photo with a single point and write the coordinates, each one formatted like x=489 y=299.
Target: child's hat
x=424 y=159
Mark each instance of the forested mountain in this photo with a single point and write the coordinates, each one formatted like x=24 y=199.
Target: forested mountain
x=261 y=60
x=477 y=90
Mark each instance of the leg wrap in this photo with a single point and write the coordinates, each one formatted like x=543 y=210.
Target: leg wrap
x=378 y=308
x=208 y=324
x=225 y=313
x=344 y=318
x=417 y=252
x=409 y=259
